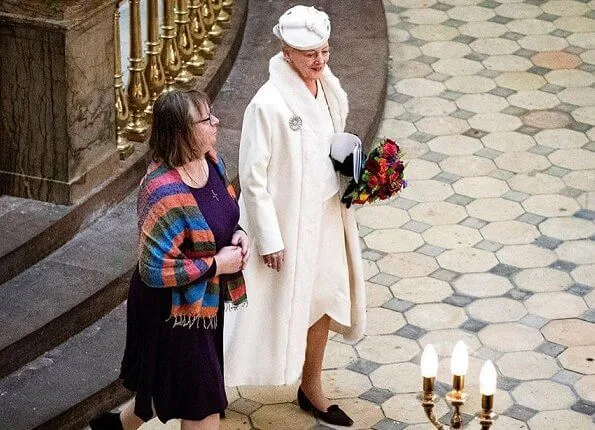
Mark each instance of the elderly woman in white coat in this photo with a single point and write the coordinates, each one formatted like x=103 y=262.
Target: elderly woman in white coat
x=309 y=278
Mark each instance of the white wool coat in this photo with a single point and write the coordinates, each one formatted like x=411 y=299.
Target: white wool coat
x=285 y=177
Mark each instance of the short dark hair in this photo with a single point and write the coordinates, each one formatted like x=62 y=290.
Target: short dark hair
x=174 y=140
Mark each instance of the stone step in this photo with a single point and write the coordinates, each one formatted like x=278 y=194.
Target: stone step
x=69 y=384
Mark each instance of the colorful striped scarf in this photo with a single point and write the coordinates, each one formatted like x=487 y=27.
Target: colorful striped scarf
x=177 y=247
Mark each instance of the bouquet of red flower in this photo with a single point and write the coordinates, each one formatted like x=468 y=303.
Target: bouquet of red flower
x=381 y=178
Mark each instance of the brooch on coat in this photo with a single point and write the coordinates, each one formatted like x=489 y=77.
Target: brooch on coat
x=295 y=123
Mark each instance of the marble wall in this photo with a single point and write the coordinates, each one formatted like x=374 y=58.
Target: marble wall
x=57 y=137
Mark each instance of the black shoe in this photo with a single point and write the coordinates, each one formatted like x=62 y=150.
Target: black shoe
x=106 y=421
x=333 y=415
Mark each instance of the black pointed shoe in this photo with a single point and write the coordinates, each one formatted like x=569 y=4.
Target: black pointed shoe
x=106 y=421
x=333 y=415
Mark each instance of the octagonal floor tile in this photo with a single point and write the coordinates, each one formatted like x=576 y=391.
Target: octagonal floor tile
x=377 y=216
x=426 y=16
x=419 y=87
x=555 y=59
x=570 y=332
x=533 y=100
x=483 y=29
x=283 y=415
x=407 y=408
x=577 y=251
x=421 y=290
x=364 y=414
x=396 y=128
x=510 y=232
x=557 y=305
x=520 y=81
x=480 y=187
x=544 y=395
x=585 y=274
x=336 y=355
x=495 y=209
x=421 y=169
x=383 y=321
x=561 y=138
x=387 y=349
x=518 y=10
x=452 y=236
x=398 y=378
x=438 y=213
x=457 y=66
x=442 y=125
x=467 y=165
x=526 y=256
x=455 y=145
x=343 y=383
x=570 y=78
x=551 y=205
x=542 y=279
x=436 y=316
x=584 y=114
x=433 y=32
x=407 y=264
x=510 y=337
x=574 y=159
x=581 y=179
x=492 y=122
x=560 y=420
x=496 y=309
x=536 y=183
x=508 y=141
x=430 y=106
x=530 y=26
x=467 y=260
x=270 y=395
x=370 y=269
x=543 y=42
x=579 y=96
x=470 y=13
x=527 y=365
x=447 y=49
x=507 y=63
x=494 y=46
x=482 y=285
x=570 y=228
x=376 y=295
x=579 y=359
x=427 y=191
x=470 y=84
x=522 y=162
x=585 y=387
x=393 y=240
x=481 y=103
x=564 y=8
x=445 y=340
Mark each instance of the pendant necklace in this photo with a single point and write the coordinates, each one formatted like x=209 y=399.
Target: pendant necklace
x=213 y=193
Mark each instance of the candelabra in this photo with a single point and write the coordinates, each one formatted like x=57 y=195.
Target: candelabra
x=459 y=365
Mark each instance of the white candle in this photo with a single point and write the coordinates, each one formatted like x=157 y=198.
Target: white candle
x=459 y=363
x=488 y=379
x=429 y=362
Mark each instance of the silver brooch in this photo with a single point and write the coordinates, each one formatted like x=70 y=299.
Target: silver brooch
x=295 y=123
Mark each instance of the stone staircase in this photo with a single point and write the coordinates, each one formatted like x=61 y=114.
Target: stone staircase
x=65 y=270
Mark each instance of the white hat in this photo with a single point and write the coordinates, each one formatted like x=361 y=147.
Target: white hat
x=303 y=28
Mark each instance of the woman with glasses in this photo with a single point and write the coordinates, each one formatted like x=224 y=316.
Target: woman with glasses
x=191 y=254
x=309 y=276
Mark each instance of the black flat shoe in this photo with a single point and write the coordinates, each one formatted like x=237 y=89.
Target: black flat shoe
x=106 y=421
x=333 y=415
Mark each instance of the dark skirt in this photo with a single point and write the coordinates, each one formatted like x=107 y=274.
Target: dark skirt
x=179 y=370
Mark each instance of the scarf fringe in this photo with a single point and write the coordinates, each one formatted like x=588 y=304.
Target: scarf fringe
x=187 y=321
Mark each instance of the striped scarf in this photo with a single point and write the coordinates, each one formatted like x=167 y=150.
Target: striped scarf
x=177 y=247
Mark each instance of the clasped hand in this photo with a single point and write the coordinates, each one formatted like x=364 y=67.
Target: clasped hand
x=233 y=258
x=275 y=260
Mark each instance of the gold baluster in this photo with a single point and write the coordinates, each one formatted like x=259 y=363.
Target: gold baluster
x=228 y=5
x=125 y=147
x=184 y=39
x=170 y=56
x=215 y=30
x=154 y=73
x=138 y=92
x=223 y=18
x=196 y=64
x=207 y=48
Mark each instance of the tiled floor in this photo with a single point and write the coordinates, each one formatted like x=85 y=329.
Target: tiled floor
x=493 y=241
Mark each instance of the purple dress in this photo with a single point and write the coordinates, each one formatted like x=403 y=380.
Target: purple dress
x=179 y=369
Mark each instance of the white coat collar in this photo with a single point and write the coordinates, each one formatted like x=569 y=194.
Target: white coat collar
x=299 y=99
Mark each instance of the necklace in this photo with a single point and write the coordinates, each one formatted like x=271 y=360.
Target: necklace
x=206 y=175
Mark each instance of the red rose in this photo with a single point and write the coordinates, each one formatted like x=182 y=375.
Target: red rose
x=373 y=182
x=372 y=166
x=390 y=149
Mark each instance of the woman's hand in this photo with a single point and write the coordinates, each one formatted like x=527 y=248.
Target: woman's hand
x=229 y=260
x=274 y=260
x=240 y=238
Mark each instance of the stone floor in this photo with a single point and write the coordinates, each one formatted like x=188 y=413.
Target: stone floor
x=493 y=241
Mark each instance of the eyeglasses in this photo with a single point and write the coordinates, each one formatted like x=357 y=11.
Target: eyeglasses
x=211 y=118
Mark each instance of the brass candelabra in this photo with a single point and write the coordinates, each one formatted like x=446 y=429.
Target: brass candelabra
x=457 y=397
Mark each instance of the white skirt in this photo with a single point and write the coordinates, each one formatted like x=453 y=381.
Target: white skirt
x=330 y=293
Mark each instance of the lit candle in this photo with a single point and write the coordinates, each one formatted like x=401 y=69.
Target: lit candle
x=488 y=379
x=459 y=363
x=429 y=362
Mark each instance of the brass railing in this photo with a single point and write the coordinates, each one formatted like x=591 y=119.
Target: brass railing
x=173 y=57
